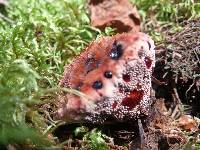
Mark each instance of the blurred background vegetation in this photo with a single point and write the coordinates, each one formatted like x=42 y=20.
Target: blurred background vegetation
x=38 y=37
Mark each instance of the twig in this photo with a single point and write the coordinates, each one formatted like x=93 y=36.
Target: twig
x=178 y=108
x=142 y=135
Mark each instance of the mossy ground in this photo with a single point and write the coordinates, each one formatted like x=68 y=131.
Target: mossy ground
x=38 y=37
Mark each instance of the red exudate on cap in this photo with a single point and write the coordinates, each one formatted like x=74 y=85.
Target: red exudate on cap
x=115 y=75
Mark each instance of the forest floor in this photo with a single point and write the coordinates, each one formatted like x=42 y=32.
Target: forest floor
x=38 y=37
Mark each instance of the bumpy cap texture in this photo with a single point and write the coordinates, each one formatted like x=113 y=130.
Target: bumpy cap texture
x=115 y=75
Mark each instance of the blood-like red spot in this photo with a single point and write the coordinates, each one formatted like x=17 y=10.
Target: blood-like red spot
x=132 y=99
x=148 y=62
x=139 y=86
x=114 y=105
x=126 y=77
x=121 y=90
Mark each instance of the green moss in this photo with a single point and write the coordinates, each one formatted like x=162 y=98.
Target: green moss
x=38 y=37
x=47 y=34
x=159 y=15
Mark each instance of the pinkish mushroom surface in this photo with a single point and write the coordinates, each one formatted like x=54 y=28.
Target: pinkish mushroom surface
x=115 y=74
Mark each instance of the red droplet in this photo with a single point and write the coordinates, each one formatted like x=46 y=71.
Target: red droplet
x=120 y=90
x=139 y=86
x=126 y=77
x=114 y=105
x=148 y=62
x=132 y=99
